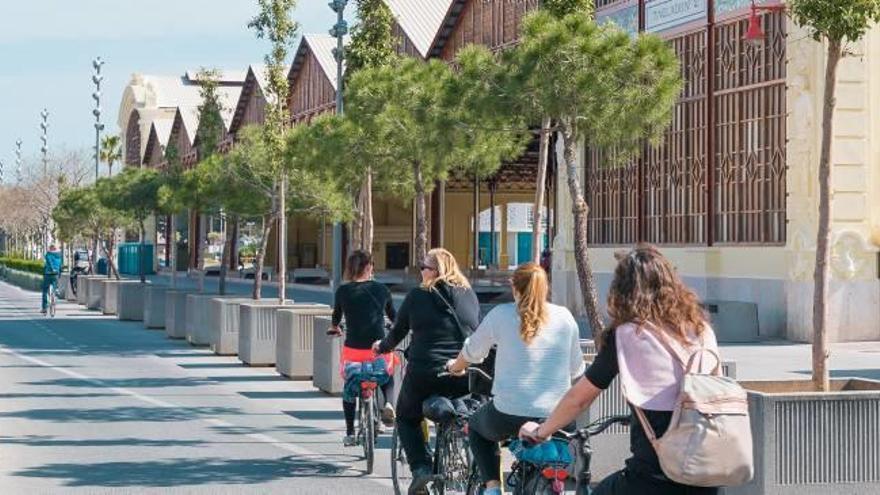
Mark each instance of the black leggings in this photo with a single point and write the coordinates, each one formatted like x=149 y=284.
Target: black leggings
x=350 y=408
x=627 y=482
x=487 y=427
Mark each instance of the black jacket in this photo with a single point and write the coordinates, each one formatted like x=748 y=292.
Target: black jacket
x=436 y=336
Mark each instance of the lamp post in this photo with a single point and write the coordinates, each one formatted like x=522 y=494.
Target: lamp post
x=97 y=78
x=340 y=29
x=18 y=143
x=44 y=125
x=1 y=172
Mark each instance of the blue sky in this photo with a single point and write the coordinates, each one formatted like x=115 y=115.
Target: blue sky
x=46 y=49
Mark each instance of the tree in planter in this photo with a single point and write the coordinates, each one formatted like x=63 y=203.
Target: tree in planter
x=836 y=24
x=274 y=22
x=111 y=151
x=135 y=191
x=170 y=200
x=372 y=45
x=602 y=88
x=414 y=134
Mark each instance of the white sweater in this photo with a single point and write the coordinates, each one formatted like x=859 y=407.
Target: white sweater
x=529 y=379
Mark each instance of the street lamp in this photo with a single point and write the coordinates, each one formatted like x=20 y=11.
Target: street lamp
x=339 y=30
x=755 y=33
x=44 y=125
x=18 y=143
x=97 y=78
x=1 y=172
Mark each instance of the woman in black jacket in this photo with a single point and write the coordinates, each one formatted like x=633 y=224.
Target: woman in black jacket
x=440 y=313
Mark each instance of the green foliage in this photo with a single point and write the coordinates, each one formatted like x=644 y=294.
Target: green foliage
x=604 y=86
x=111 y=150
x=30 y=266
x=211 y=127
x=561 y=8
x=247 y=175
x=836 y=20
x=79 y=213
x=134 y=192
x=372 y=39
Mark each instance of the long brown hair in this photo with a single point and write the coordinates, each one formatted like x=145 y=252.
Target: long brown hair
x=531 y=288
x=357 y=264
x=647 y=290
x=447 y=269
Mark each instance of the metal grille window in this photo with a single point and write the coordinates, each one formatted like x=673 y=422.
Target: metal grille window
x=718 y=175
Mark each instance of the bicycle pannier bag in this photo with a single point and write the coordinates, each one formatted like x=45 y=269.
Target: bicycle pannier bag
x=709 y=440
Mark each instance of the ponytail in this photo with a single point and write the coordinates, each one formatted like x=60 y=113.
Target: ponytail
x=531 y=288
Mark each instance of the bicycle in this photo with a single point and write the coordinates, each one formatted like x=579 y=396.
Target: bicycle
x=453 y=468
x=366 y=428
x=52 y=294
x=550 y=477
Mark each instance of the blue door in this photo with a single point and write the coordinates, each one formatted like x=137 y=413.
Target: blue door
x=523 y=247
x=487 y=258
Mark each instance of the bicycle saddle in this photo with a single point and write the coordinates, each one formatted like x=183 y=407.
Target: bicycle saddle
x=439 y=409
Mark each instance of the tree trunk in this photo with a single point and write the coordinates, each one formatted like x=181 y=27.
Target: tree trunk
x=822 y=275
x=368 y=211
x=581 y=253
x=202 y=250
x=543 y=155
x=93 y=259
x=355 y=240
x=141 y=252
x=173 y=246
x=421 y=247
x=261 y=257
x=227 y=252
x=282 y=241
x=108 y=250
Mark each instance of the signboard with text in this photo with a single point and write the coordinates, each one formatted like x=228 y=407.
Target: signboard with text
x=662 y=15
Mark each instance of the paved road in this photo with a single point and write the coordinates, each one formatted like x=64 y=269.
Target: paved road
x=92 y=405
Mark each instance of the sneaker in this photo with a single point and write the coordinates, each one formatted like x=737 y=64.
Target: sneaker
x=388 y=415
x=421 y=476
x=43 y=312
x=349 y=441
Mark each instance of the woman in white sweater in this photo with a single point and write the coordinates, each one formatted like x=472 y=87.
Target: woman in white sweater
x=538 y=357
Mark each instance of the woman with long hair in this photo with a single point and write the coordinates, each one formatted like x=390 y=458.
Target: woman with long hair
x=654 y=315
x=441 y=314
x=364 y=303
x=538 y=357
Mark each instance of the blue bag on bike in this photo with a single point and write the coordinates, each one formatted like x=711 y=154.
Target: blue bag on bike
x=554 y=452
x=355 y=373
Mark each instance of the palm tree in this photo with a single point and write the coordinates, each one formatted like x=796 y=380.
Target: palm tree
x=111 y=151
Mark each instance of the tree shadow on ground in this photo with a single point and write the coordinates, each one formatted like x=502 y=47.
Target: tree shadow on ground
x=52 y=441
x=157 y=382
x=293 y=395
x=38 y=395
x=120 y=414
x=183 y=472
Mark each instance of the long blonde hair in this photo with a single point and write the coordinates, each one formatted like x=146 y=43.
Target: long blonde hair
x=531 y=288
x=447 y=269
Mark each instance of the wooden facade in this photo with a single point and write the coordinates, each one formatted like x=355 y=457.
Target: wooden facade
x=718 y=175
x=492 y=23
x=133 y=138
x=251 y=108
x=311 y=90
x=405 y=45
x=154 y=154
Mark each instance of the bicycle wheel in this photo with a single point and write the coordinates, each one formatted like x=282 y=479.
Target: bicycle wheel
x=368 y=424
x=474 y=485
x=453 y=461
x=52 y=300
x=401 y=476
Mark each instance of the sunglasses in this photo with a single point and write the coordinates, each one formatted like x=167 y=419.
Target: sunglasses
x=423 y=267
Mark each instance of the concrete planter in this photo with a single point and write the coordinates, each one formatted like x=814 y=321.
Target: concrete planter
x=294 y=340
x=95 y=292
x=198 y=322
x=130 y=303
x=326 y=358
x=812 y=443
x=154 y=306
x=175 y=313
x=223 y=321
x=110 y=302
x=612 y=447
x=82 y=292
x=256 y=336
x=63 y=285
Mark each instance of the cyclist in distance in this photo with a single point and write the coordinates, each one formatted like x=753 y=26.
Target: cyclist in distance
x=51 y=270
x=651 y=311
x=441 y=314
x=364 y=303
x=538 y=357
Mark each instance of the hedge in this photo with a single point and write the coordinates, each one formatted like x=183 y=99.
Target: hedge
x=31 y=266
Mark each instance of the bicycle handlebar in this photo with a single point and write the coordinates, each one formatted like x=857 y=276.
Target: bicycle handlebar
x=594 y=428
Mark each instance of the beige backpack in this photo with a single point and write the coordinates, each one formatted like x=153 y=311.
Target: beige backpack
x=709 y=440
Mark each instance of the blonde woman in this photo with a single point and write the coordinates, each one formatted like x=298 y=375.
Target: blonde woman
x=538 y=357
x=440 y=314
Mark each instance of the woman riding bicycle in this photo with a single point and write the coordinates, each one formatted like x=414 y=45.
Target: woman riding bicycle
x=364 y=303
x=438 y=313
x=651 y=310
x=538 y=357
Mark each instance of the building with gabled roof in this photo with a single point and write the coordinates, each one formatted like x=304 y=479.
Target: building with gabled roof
x=417 y=23
x=157 y=141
